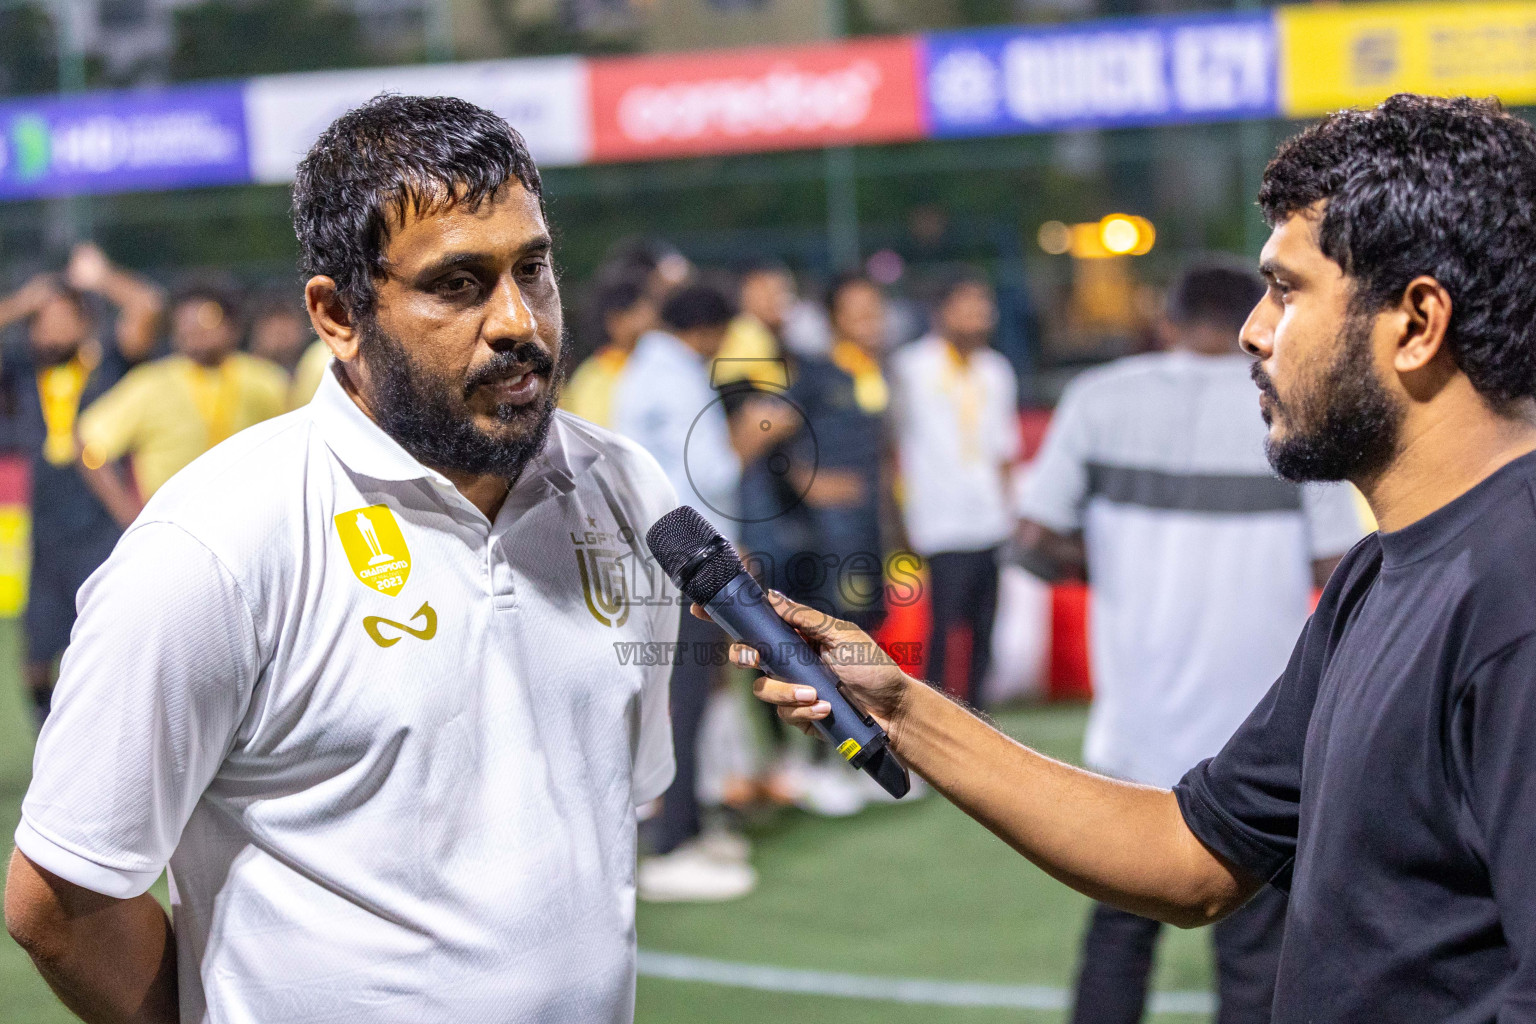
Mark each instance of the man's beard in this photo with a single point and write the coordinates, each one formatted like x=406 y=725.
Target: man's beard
x=1344 y=425
x=430 y=418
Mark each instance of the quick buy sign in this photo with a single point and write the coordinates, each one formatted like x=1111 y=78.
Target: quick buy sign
x=758 y=99
x=1100 y=75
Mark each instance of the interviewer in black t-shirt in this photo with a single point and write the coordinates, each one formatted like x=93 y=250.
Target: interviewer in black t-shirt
x=1388 y=779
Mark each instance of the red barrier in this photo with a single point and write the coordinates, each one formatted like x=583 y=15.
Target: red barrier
x=1069 y=676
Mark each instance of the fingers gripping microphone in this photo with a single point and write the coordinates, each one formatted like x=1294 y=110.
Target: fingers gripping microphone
x=707 y=570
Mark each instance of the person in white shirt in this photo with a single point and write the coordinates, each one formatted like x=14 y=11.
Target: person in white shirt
x=666 y=402
x=957 y=436
x=357 y=675
x=1153 y=481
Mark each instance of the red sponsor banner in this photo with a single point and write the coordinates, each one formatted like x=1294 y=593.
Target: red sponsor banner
x=741 y=101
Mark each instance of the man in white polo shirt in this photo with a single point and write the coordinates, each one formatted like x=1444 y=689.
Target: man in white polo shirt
x=358 y=675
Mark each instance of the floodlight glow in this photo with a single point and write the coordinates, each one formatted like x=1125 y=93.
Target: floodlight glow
x=1055 y=237
x=1119 y=234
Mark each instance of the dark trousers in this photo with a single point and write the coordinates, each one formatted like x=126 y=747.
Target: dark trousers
x=1117 y=963
x=963 y=588
x=693 y=676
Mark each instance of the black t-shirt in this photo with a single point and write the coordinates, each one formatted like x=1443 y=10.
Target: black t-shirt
x=1388 y=779
x=64 y=510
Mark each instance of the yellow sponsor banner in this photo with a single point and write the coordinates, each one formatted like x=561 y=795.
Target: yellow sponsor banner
x=1353 y=55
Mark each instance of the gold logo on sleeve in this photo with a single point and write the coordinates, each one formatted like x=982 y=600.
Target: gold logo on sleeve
x=372 y=623
x=375 y=548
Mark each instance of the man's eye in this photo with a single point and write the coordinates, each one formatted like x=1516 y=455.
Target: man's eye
x=457 y=287
x=533 y=269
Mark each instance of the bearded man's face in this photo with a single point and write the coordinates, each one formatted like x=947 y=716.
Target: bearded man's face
x=460 y=355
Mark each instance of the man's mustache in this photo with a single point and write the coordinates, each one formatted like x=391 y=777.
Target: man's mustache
x=1262 y=381
x=524 y=357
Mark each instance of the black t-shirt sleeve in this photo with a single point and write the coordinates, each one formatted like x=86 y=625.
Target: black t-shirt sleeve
x=1495 y=733
x=1244 y=803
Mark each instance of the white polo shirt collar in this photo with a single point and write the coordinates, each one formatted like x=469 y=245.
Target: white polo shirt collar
x=365 y=449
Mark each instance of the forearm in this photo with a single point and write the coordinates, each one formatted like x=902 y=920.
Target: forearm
x=1117 y=842
x=14 y=308
x=107 y=483
x=1053 y=557
x=140 y=305
x=110 y=961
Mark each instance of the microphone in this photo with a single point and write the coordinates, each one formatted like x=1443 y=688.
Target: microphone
x=709 y=572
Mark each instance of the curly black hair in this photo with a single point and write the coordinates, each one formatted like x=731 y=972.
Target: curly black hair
x=1427 y=186
x=391 y=156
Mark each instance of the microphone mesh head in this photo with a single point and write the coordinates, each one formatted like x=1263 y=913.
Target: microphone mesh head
x=677 y=538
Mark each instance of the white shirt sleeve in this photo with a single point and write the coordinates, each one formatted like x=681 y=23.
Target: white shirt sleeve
x=156 y=681
x=1056 y=486
x=1334 y=522
x=1006 y=429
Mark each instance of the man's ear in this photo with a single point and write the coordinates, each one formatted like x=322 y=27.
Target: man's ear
x=1425 y=316
x=330 y=318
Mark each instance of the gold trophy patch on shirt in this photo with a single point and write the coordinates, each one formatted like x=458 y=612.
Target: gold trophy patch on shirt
x=375 y=547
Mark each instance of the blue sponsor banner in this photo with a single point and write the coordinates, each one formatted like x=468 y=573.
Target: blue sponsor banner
x=1104 y=74
x=123 y=141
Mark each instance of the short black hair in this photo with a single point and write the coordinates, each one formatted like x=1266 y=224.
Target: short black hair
x=958 y=280
x=1423 y=185
x=697 y=305
x=393 y=155
x=1214 y=291
x=81 y=302
x=618 y=293
x=763 y=265
x=272 y=302
x=202 y=291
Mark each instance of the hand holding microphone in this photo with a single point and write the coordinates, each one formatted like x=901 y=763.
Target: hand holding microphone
x=707 y=570
x=863 y=671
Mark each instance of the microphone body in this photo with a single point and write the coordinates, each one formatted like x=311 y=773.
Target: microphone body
x=739 y=606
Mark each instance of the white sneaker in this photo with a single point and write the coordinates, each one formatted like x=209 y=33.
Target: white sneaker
x=690 y=875
x=832 y=790
x=726 y=847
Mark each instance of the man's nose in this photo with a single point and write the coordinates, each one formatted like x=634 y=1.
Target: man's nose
x=1258 y=334
x=509 y=319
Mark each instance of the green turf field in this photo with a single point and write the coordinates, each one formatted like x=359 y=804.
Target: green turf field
x=916 y=892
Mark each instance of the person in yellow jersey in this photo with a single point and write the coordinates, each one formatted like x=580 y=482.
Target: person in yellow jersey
x=164 y=414
x=307 y=376
x=626 y=311
x=62 y=365
x=753 y=350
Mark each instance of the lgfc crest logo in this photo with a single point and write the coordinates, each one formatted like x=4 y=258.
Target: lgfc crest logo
x=604 y=583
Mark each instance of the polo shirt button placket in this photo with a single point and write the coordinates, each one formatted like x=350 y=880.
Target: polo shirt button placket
x=499 y=576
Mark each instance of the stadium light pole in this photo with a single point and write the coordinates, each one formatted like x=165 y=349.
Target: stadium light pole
x=73 y=213
x=1253 y=155
x=437 y=20
x=839 y=172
